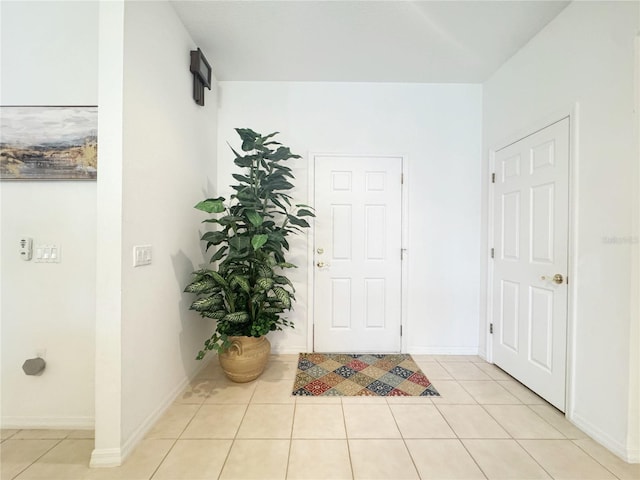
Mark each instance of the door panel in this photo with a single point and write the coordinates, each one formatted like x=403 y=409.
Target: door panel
x=357 y=248
x=531 y=212
x=510 y=315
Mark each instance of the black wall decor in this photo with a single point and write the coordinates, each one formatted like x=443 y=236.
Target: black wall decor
x=201 y=75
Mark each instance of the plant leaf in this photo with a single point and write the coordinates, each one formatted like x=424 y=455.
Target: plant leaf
x=267 y=137
x=246 y=195
x=219 y=254
x=298 y=221
x=265 y=271
x=219 y=279
x=305 y=213
x=283 y=296
x=228 y=220
x=200 y=286
x=286 y=265
x=217 y=315
x=236 y=317
x=211 y=205
x=259 y=240
x=243 y=161
x=283 y=153
x=205 y=303
x=264 y=283
x=214 y=237
x=254 y=217
x=241 y=178
x=282 y=280
x=248 y=137
x=273 y=310
x=243 y=282
x=239 y=243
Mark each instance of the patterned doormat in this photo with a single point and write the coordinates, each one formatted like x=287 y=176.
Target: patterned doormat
x=339 y=374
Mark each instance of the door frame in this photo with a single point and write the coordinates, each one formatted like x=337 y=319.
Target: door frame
x=404 y=237
x=572 y=113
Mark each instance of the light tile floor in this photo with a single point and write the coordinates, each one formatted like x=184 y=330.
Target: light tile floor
x=484 y=425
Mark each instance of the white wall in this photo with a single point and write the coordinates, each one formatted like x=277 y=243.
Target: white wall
x=438 y=128
x=48 y=57
x=586 y=56
x=166 y=165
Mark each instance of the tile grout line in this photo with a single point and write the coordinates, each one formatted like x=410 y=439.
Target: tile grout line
x=346 y=435
x=461 y=442
x=473 y=458
x=10 y=436
x=564 y=437
x=293 y=421
x=548 y=422
x=404 y=440
x=235 y=437
x=520 y=402
x=532 y=457
x=155 y=470
x=175 y=440
x=573 y=441
x=59 y=441
x=518 y=440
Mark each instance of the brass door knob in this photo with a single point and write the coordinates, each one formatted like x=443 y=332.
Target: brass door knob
x=557 y=278
x=322 y=264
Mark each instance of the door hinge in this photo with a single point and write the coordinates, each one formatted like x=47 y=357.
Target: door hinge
x=491 y=328
x=493 y=253
x=493 y=178
x=400 y=330
x=402 y=179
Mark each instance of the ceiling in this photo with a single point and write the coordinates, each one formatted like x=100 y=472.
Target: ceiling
x=362 y=41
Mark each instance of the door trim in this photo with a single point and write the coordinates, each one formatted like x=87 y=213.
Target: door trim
x=404 y=236
x=572 y=113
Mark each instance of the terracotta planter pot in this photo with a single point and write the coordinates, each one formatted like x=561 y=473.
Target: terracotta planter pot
x=245 y=359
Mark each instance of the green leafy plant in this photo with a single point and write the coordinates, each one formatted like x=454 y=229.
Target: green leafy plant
x=246 y=290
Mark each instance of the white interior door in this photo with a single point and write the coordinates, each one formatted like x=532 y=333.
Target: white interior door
x=531 y=210
x=357 y=250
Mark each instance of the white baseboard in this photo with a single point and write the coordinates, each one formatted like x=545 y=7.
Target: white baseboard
x=113 y=457
x=443 y=350
x=285 y=350
x=615 y=447
x=58 y=423
x=106 y=457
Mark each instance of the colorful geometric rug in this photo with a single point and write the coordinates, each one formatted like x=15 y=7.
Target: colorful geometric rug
x=339 y=374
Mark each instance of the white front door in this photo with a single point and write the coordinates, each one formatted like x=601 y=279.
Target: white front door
x=357 y=249
x=531 y=209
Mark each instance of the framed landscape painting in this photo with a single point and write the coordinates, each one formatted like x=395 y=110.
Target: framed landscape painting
x=48 y=143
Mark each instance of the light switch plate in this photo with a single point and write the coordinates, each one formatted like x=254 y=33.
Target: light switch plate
x=141 y=255
x=47 y=253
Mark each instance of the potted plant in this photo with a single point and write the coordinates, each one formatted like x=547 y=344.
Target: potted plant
x=245 y=289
